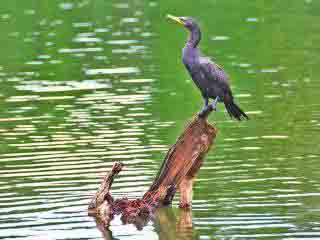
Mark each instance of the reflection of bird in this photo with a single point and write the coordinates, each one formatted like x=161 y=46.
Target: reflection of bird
x=208 y=76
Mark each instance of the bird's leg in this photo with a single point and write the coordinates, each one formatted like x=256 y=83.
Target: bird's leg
x=206 y=102
x=205 y=107
x=215 y=103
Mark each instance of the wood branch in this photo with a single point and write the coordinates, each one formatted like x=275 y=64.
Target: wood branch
x=103 y=193
x=177 y=173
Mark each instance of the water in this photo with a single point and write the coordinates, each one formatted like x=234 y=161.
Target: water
x=86 y=83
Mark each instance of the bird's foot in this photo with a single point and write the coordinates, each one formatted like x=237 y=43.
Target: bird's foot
x=204 y=111
x=213 y=106
x=208 y=108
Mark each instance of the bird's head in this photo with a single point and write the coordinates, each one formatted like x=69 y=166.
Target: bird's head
x=187 y=22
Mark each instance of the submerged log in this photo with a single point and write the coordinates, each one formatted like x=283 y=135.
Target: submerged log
x=177 y=173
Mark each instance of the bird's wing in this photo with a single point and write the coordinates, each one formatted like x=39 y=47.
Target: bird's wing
x=214 y=73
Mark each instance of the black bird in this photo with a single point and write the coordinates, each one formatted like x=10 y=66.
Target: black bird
x=209 y=77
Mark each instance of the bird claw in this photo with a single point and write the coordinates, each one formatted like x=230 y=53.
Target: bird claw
x=208 y=108
x=205 y=110
x=213 y=107
x=202 y=113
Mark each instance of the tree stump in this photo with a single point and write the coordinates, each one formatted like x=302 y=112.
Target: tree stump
x=177 y=173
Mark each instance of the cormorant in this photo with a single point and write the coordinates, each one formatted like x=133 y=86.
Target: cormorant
x=209 y=77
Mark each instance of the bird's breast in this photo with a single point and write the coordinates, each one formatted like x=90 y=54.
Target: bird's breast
x=190 y=55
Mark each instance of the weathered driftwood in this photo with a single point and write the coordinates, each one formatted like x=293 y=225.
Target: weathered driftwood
x=177 y=173
x=102 y=203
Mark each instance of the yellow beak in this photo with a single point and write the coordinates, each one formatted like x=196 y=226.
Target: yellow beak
x=176 y=19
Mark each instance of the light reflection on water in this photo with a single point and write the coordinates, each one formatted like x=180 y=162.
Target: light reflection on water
x=84 y=91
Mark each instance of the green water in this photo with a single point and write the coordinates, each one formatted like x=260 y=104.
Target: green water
x=86 y=83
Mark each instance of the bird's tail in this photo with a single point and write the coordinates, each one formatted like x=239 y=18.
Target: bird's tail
x=234 y=111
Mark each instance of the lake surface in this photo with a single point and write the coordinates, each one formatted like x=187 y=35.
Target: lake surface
x=86 y=83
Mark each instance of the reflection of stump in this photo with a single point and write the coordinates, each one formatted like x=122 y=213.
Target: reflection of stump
x=177 y=172
x=175 y=224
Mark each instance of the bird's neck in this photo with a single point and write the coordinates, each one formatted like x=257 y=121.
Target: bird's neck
x=194 y=38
